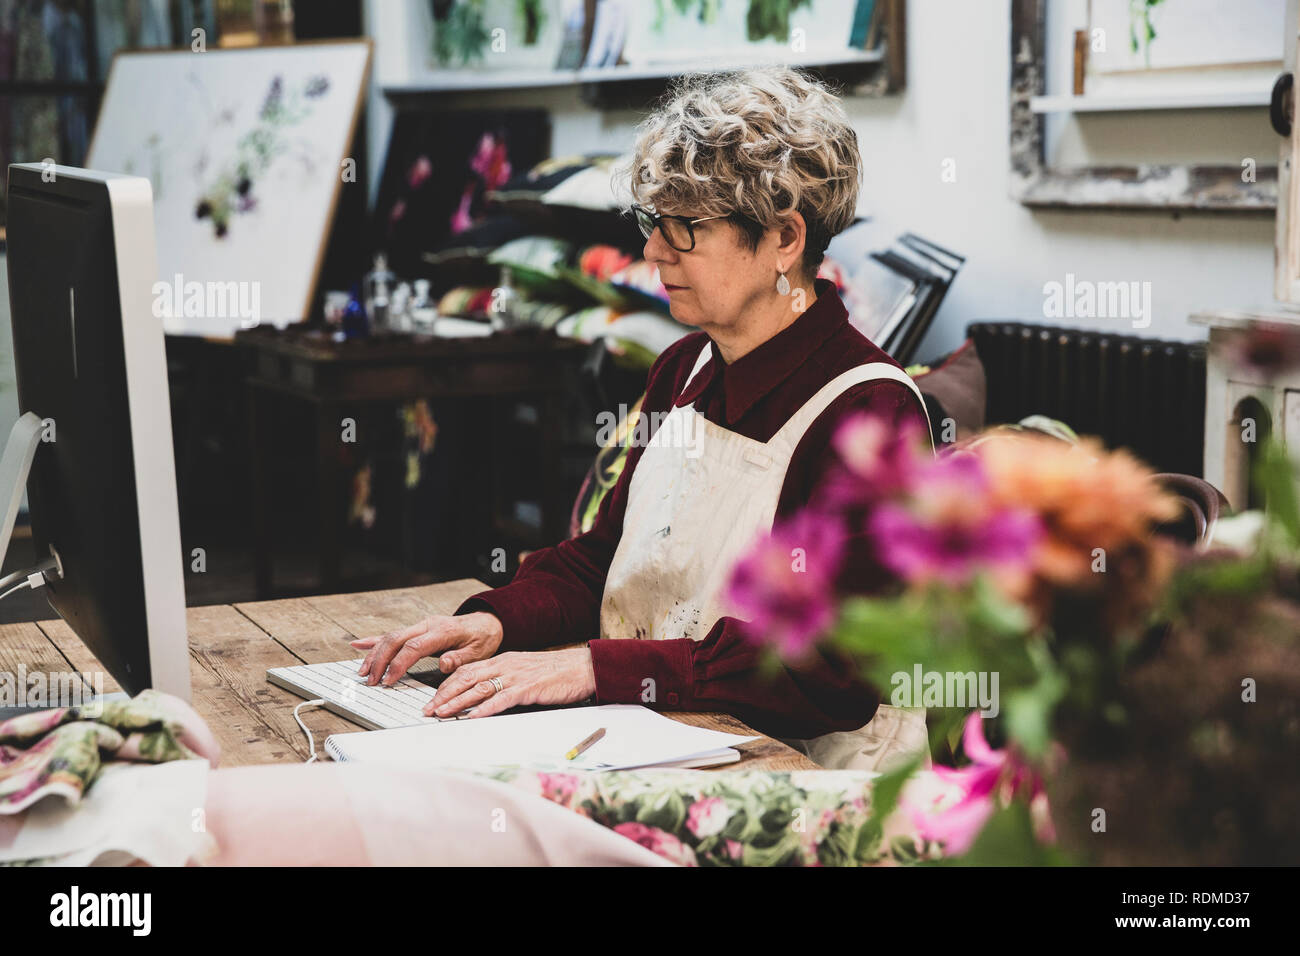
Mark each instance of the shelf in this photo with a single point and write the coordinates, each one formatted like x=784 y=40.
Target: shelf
x=1277 y=313
x=474 y=80
x=1206 y=100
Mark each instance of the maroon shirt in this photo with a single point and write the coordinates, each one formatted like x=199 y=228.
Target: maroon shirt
x=556 y=594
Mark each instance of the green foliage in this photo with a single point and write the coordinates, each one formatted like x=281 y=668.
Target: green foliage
x=1028 y=709
x=771 y=18
x=462 y=35
x=1139 y=12
x=708 y=11
x=1007 y=839
x=532 y=14
x=1275 y=478
x=941 y=628
x=885 y=792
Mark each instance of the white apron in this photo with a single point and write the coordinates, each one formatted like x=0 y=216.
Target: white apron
x=699 y=497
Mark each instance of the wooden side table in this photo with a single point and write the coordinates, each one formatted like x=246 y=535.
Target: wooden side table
x=339 y=378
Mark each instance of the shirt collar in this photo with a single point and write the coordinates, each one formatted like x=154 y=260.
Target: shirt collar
x=760 y=370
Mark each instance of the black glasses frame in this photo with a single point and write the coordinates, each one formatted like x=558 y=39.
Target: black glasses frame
x=647 y=222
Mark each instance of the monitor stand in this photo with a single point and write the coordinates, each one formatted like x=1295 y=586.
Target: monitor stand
x=15 y=466
x=14 y=469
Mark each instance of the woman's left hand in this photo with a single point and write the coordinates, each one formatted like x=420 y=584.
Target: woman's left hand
x=527 y=677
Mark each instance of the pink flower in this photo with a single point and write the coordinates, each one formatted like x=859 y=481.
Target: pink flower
x=1264 y=348
x=735 y=849
x=707 y=817
x=460 y=219
x=948 y=529
x=783 y=588
x=877 y=460
x=558 y=787
x=491 y=162
x=421 y=170
x=816 y=834
x=658 y=841
x=993 y=776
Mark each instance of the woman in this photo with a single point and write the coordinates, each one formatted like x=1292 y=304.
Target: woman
x=749 y=175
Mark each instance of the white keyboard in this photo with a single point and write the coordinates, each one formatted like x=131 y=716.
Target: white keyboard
x=346 y=693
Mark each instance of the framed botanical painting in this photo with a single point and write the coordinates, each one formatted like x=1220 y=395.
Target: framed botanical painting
x=246 y=150
x=441 y=165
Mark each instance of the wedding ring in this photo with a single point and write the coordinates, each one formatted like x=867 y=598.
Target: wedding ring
x=496 y=682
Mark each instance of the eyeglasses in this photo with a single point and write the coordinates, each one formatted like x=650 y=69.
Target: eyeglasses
x=678 y=231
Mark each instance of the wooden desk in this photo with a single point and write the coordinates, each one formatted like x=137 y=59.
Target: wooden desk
x=232 y=645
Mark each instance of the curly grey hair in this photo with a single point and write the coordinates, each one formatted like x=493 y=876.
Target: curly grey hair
x=754 y=146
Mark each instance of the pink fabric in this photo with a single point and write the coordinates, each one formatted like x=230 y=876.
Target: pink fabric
x=352 y=815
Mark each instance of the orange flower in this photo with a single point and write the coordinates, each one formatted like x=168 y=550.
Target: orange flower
x=1098 y=510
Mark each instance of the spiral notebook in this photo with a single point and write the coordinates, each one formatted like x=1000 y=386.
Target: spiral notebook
x=635 y=737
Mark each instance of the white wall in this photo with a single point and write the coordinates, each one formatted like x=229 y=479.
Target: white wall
x=955 y=106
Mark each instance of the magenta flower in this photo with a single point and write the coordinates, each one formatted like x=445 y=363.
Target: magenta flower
x=948 y=530
x=658 y=841
x=993 y=776
x=783 y=588
x=707 y=817
x=461 y=219
x=877 y=461
x=491 y=162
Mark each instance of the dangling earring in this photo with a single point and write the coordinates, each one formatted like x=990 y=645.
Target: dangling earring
x=783 y=285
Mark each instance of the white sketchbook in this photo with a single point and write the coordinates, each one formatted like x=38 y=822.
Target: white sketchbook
x=635 y=736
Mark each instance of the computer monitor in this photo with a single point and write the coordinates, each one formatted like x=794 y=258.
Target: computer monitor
x=95 y=418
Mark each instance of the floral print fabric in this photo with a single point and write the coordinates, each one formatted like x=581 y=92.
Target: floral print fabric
x=63 y=749
x=738 y=818
x=689 y=817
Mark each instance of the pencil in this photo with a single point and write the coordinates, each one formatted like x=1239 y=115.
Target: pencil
x=585 y=745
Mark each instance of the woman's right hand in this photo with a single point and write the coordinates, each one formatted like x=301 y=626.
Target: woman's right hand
x=456 y=639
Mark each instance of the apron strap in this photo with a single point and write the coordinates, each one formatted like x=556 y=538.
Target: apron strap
x=705 y=354
x=793 y=430
x=799 y=422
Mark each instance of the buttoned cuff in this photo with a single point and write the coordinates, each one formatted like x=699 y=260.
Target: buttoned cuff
x=656 y=674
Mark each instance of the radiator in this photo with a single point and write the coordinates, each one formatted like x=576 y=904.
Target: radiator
x=1146 y=395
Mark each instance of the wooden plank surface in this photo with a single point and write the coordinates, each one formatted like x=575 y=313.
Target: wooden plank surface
x=231 y=647
x=251 y=718
x=25 y=650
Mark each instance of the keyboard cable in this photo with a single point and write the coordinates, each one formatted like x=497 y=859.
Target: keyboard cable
x=311 y=741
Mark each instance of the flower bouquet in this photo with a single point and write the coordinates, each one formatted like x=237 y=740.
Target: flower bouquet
x=1092 y=687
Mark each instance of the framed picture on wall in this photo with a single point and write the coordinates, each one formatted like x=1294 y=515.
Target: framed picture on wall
x=441 y=165
x=692 y=32
x=1148 y=63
